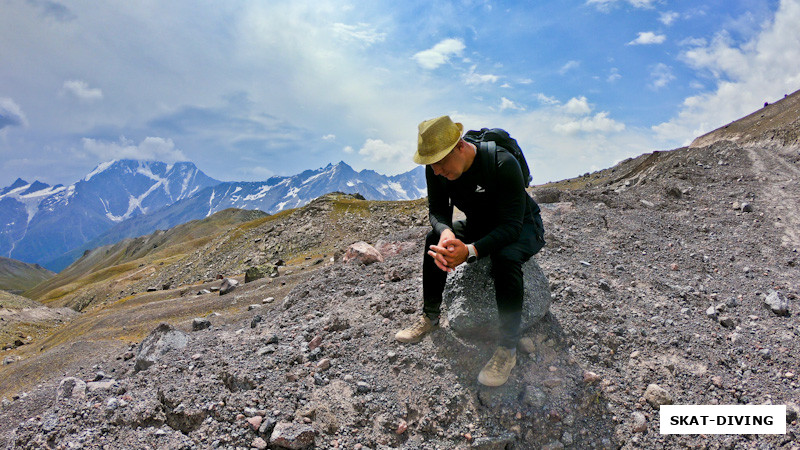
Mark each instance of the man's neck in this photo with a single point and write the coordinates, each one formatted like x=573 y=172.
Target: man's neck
x=470 y=155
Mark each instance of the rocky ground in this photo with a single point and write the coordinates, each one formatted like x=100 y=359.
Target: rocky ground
x=658 y=279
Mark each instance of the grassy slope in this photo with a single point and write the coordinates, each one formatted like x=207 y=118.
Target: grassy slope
x=129 y=257
x=19 y=276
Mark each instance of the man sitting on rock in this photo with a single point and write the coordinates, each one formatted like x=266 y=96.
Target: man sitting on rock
x=502 y=222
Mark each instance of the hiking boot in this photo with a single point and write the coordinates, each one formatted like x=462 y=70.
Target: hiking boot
x=497 y=370
x=416 y=331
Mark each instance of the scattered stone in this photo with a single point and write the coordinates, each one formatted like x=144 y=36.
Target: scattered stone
x=534 y=397
x=777 y=303
x=292 y=436
x=401 y=427
x=259 y=443
x=255 y=422
x=590 y=377
x=258 y=272
x=268 y=300
x=228 y=285
x=324 y=364
x=256 y=320
x=657 y=396
x=71 y=387
x=727 y=321
x=314 y=343
x=160 y=341
x=200 y=323
x=527 y=345
x=639 y=424
x=362 y=253
x=106 y=385
x=747 y=207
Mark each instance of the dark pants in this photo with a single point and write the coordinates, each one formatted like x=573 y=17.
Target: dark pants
x=506 y=270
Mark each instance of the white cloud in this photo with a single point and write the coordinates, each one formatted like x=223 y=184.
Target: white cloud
x=376 y=150
x=668 y=17
x=599 y=123
x=348 y=150
x=661 y=75
x=362 y=32
x=439 y=54
x=569 y=66
x=607 y=5
x=473 y=78
x=11 y=114
x=151 y=149
x=577 y=106
x=82 y=91
x=329 y=137
x=508 y=104
x=648 y=38
x=545 y=100
x=613 y=75
x=747 y=75
x=693 y=42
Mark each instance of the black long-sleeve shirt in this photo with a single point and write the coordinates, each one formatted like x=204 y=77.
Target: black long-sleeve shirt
x=495 y=202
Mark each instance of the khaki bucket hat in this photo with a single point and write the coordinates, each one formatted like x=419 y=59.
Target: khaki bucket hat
x=436 y=139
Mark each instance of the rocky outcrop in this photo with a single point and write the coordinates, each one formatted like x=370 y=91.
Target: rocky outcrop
x=469 y=296
x=160 y=341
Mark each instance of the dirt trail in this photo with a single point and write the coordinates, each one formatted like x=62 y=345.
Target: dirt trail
x=782 y=193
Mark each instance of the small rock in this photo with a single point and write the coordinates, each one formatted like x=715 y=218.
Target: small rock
x=777 y=303
x=527 y=345
x=362 y=387
x=657 y=396
x=259 y=443
x=639 y=424
x=256 y=320
x=711 y=312
x=324 y=364
x=200 y=323
x=255 y=422
x=362 y=253
x=590 y=377
x=401 y=427
x=293 y=436
x=727 y=321
x=268 y=300
x=747 y=207
x=71 y=387
x=228 y=285
x=314 y=343
x=716 y=381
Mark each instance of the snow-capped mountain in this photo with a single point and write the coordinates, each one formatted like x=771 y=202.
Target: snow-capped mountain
x=39 y=222
x=279 y=193
x=273 y=195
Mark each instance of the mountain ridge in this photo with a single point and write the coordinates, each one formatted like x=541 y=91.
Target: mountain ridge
x=125 y=198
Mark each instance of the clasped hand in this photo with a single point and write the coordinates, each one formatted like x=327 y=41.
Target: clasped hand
x=449 y=253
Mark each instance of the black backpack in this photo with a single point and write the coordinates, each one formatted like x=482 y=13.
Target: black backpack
x=489 y=138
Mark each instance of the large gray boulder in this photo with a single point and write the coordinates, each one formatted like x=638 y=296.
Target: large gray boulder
x=160 y=341
x=470 y=299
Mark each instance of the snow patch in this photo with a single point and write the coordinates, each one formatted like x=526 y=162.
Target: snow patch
x=100 y=168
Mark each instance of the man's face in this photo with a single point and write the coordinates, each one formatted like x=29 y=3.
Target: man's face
x=451 y=166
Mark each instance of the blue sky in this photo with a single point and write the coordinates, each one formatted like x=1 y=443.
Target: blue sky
x=251 y=89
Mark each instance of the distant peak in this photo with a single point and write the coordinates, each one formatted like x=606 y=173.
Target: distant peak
x=19 y=183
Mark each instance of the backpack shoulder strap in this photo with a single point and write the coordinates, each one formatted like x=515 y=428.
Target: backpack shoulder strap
x=490 y=147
